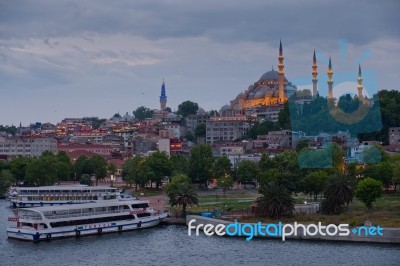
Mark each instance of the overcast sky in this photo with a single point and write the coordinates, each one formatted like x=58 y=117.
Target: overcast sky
x=95 y=58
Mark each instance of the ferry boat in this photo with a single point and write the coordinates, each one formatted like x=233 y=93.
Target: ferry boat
x=51 y=222
x=59 y=195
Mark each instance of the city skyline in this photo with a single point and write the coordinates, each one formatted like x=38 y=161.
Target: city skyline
x=69 y=59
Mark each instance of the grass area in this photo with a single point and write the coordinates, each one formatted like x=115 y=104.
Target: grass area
x=385 y=212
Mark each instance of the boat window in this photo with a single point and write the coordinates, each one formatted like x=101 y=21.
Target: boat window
x=92 y=221
x=143 y=214
x=140 y=205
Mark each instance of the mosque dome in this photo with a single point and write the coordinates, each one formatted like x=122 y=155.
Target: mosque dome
x=270 y=75
x=225 y=108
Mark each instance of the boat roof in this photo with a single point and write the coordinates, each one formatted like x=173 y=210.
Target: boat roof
x=106 y=203
x=64 y=187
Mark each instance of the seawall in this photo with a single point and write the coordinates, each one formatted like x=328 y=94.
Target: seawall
x=390 y=235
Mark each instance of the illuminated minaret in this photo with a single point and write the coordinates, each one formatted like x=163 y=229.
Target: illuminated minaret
x=360 y=85
x=330 y=80
x=314 y=76
x=163 y=97
x=281 y=81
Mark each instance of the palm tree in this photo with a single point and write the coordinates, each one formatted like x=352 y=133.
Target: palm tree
x=183 y=195
x=275 y=200
x=338 y=192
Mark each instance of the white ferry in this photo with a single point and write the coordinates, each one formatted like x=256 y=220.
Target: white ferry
x=50 y=222
x=59 y=195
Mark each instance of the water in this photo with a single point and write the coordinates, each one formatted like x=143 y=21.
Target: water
x=169 y=245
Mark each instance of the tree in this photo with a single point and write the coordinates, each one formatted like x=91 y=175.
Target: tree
x=175 y=181
x=186 y=108
x=6 y=180
x=183 y=195
x=64 y=166
x=200 y=163
x=200 y=130
x=142 y=113
x=83 y=166
x=247 y=171
x=275 y=200
x=99 y=165
x=131 y=169
x=18 y=168
x=314 y=183
x=272 y=175
x=222 y=166
x=368 y=190
x=301 y=145
x=160 y=165
x=225 y=182
x=86 y=180
x=179 y=164
x=382 y=172
x=338 y=192
x=42 y=171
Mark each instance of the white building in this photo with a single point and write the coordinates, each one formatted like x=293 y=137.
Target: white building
x=27 y=146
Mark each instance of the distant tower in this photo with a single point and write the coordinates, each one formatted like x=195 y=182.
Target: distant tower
x=330 y=80
x=281 y=81
x=314 y=76
x=163 y=97
x=360 y=85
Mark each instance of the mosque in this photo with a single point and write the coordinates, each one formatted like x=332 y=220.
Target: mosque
x=273 y=89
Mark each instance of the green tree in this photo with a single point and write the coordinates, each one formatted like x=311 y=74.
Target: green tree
x=338 y=192
x=175 y=181
x=99 y=164
x=42 y=171
x=200 y=163
x=222 y=166
x=160 y=165
x=266 y=162
x=179 y=164
x=382 y=172
x=6 y=180
x=200 y=131
x=85 y=180
x=183 y=195
x=247 y=171
x=272 y=175
x=368 y=190
x=130 y=170
x=142 y=113
x=186 y=108
x=18 y=168
x=315 y=182
x=301 y=145
x=275 y=200
x=225 y=182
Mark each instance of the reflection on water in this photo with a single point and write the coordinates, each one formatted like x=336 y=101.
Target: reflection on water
x=167 y=245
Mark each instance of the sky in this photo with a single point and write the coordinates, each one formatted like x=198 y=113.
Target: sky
x=96 y=58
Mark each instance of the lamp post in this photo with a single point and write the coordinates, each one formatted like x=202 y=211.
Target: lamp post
x=112 y=178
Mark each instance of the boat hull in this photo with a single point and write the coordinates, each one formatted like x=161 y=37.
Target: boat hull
x=83 y=230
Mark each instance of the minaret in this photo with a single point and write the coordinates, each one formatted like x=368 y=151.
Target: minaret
x=330 y=80
x=163 y=97
x=360 y=85
x=314 y=76
x=281 y=81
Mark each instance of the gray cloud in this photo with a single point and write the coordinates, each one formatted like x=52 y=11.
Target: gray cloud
x=116 y=53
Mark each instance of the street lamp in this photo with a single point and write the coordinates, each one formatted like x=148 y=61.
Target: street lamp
x=112 y=178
